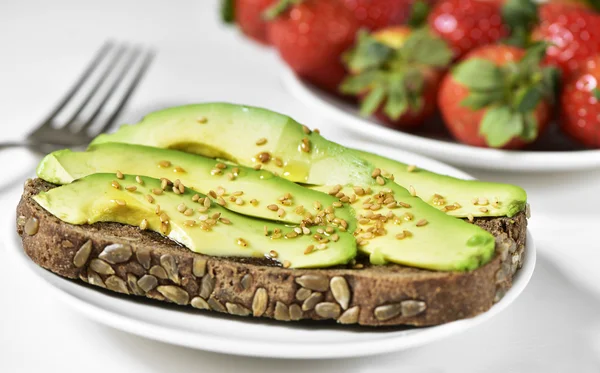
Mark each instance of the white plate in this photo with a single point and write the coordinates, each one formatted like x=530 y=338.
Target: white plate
x=254 y=337
x=435 y=142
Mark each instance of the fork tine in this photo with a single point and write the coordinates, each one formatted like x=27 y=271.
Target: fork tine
x=117 y=81
x=111 y=65
x=147 y=60
x=82 y=78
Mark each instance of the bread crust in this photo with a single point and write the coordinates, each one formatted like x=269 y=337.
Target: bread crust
x=125 y=259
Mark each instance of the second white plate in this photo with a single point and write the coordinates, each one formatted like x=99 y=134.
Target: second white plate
x=437 y=144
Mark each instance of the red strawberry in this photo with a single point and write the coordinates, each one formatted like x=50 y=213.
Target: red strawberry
x=248 y=15
x=377 y=14
x=311 y=37
x=468 y=24
x=574 y=34
x=580 y=104
x=396 y=72
x=498 y=96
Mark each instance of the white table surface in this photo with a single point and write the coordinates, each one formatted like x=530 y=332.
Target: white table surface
x=553 y=327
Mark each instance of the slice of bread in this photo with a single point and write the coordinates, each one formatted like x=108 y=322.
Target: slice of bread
x=127 y=260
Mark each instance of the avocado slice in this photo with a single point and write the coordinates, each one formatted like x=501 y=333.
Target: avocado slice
x=252 y=136
x=213 y=230
x=395 y=226
x=456 y=197
x=241 y=189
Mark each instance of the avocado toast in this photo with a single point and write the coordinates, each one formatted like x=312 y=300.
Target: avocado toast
x=350 y=244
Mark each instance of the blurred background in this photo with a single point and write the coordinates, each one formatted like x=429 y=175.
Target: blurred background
x=553 y=327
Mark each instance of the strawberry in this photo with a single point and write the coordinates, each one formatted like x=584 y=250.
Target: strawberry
x=311 y=36
x=248 y=15
x=498 y=96
x=395 y=72
x=574 y=35
x=467 y=24
x=378 y=14
x=580 y=104
x=588 y=4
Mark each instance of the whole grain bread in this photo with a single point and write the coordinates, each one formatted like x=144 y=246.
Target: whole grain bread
x=131 y=261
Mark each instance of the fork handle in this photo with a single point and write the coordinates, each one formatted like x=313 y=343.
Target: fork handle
x=15 y=144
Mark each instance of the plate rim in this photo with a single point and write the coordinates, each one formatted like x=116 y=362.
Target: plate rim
x=512 y=160
x=111 y=317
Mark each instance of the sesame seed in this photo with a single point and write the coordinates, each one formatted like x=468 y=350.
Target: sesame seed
x=317 y=205
x=306 y=130
x=298 y=230
x=421 y=223
x=176 y=190
x=157 y=191
x=291 y=234
x=413 y=192
x=400 y=236
x=345 y=199
x=149 y=198
x=212 y=193
x=305 y=231
x=144 y=224
x=131 y=188
x=375 y=206
x=164 y=164
x=238 y=193
x=316 y=130
x=309 y=249
x=264 y=157
x=201 y=120
x=178 y=170
x=239 y=201
x=221 y=166
x=273 y=254
x=157 y=210
x=335 y=190
x=120 y=175
x=321 y=246
x=475 y=201
x=359 y=191
x=261 y=141
x=164 y=217
x=483 y=201
x=221 y=201
x=408 y=216
x=483 y=209
x=364 y=221
x=411 y=168
x=337 y=204
x=335 y=237
x=188 y=212
x=258 y=166
x=164 y=184
x=115 y=184
x=206 y=202
x=189 y=223
x=225 y=221
x=280 y=213
x=305 y=145
x=181 y=208
x=164 y=228
x=278 y=162
x=242 y=242
x=139 y=180
x=471 y=218
x=391 y=205
x=404 y=204
x=215 y=171
x=376 y=172
x=286 y=264
x=273 y=207
x=380 y=180
x=254 y=202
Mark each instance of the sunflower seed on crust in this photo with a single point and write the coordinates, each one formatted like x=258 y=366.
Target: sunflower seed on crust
x=328 y=310
x=340 y=291
x=199 y=303
x=116 y=253
x=167 y=261
x=115 y=283
x=215 y=305
x=246 y=281
x=412 y=308
x=302 y=294
x=101 y=267
x=175 y=294
x=312 y=301
x=132 y=282
x=199 y=266
x=237 y=309
x=350 y=316
x=207 y=286
x=95 y=279
x=388 y=311
x=295 y=312
x=282 y=312
x=260 y=302
x=143 y=257
x=83 y=254
x=313 y=282
x=32 y=226
x=147 y=283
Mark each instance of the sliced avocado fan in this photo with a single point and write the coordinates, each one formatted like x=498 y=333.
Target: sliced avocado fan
x=196 y=222
x=256 y=137
x=256 y=193
x=394 y=225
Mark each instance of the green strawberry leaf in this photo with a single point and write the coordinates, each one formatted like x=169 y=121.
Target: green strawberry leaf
x=530 y=128
x=499 y=125
x=596 y=93
x=355 y=84
x=520 y=16
x=478 y=100
x=595 y=4
x=424 y=48
x=527 y=98
x=367 y=54
x=278 y=8
x=418 y=14
x=533 y=56
x=551 y=82
x=227 y=11
x=397 y=100
x=373 y=100
x=479 y=74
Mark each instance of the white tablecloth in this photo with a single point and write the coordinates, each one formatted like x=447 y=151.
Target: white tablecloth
x=553 y=327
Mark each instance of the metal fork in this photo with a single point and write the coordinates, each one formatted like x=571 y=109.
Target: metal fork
x=119 y=62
